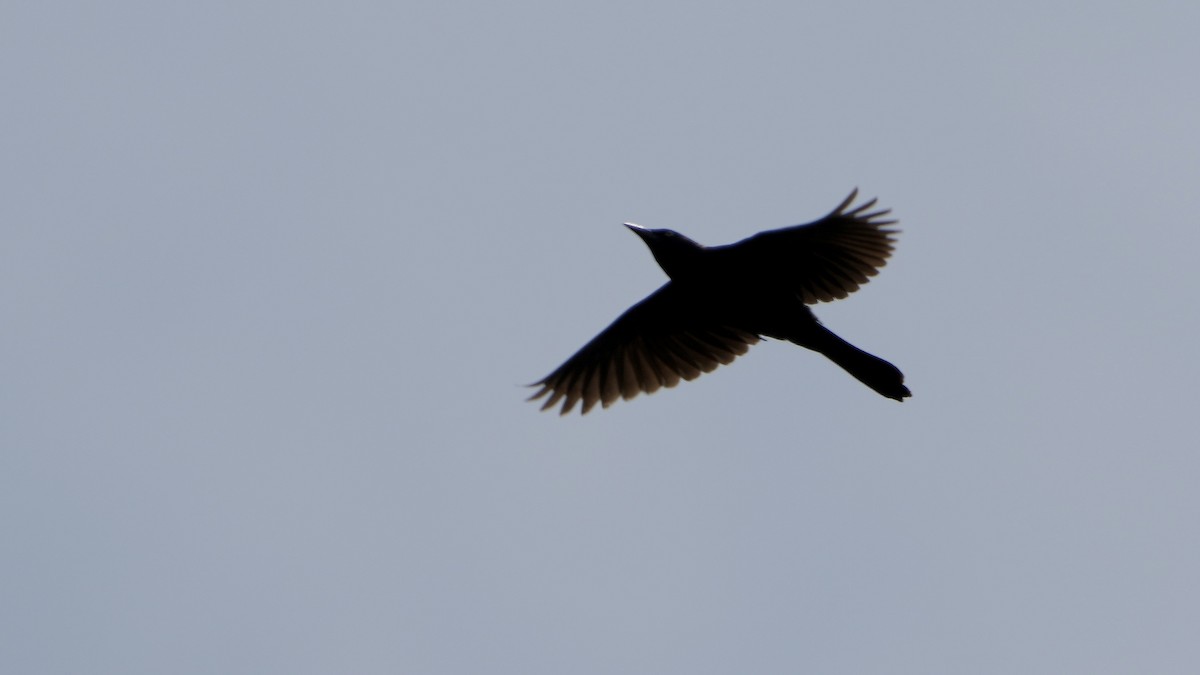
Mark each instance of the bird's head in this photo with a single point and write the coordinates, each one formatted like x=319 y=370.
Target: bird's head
x=675 y=253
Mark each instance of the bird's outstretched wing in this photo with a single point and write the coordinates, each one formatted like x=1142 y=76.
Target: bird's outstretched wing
x=656 y=343
x=823 y=260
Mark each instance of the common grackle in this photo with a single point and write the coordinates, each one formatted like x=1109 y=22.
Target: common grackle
x=722 y=299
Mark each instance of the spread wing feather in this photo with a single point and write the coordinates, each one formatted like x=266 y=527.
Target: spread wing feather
x=824 y=260
x=657 y=343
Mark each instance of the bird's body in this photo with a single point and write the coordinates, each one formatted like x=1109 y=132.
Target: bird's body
x=722 y=299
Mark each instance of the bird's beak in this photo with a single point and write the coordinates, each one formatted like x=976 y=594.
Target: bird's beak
x=643 y=233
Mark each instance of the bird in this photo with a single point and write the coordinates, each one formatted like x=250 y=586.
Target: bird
x=721 y=300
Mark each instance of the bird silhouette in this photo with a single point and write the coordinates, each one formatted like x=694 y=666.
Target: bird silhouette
x=720 y=300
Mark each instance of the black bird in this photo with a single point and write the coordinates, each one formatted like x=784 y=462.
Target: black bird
x=722 y=299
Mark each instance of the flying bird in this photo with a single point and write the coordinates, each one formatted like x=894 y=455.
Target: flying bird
x=720 y=300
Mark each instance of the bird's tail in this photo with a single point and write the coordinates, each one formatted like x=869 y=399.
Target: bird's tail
x=869 y=369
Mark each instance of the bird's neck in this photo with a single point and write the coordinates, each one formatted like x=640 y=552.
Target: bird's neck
x=683 y=263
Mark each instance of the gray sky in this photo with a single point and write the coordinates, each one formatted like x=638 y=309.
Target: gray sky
x=272 y=274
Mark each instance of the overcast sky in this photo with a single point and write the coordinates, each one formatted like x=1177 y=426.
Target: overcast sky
x=273 y=276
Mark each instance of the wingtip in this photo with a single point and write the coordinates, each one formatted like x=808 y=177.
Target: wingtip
x=845 y=202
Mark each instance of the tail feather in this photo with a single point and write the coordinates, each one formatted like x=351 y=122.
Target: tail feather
x=869 y=369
